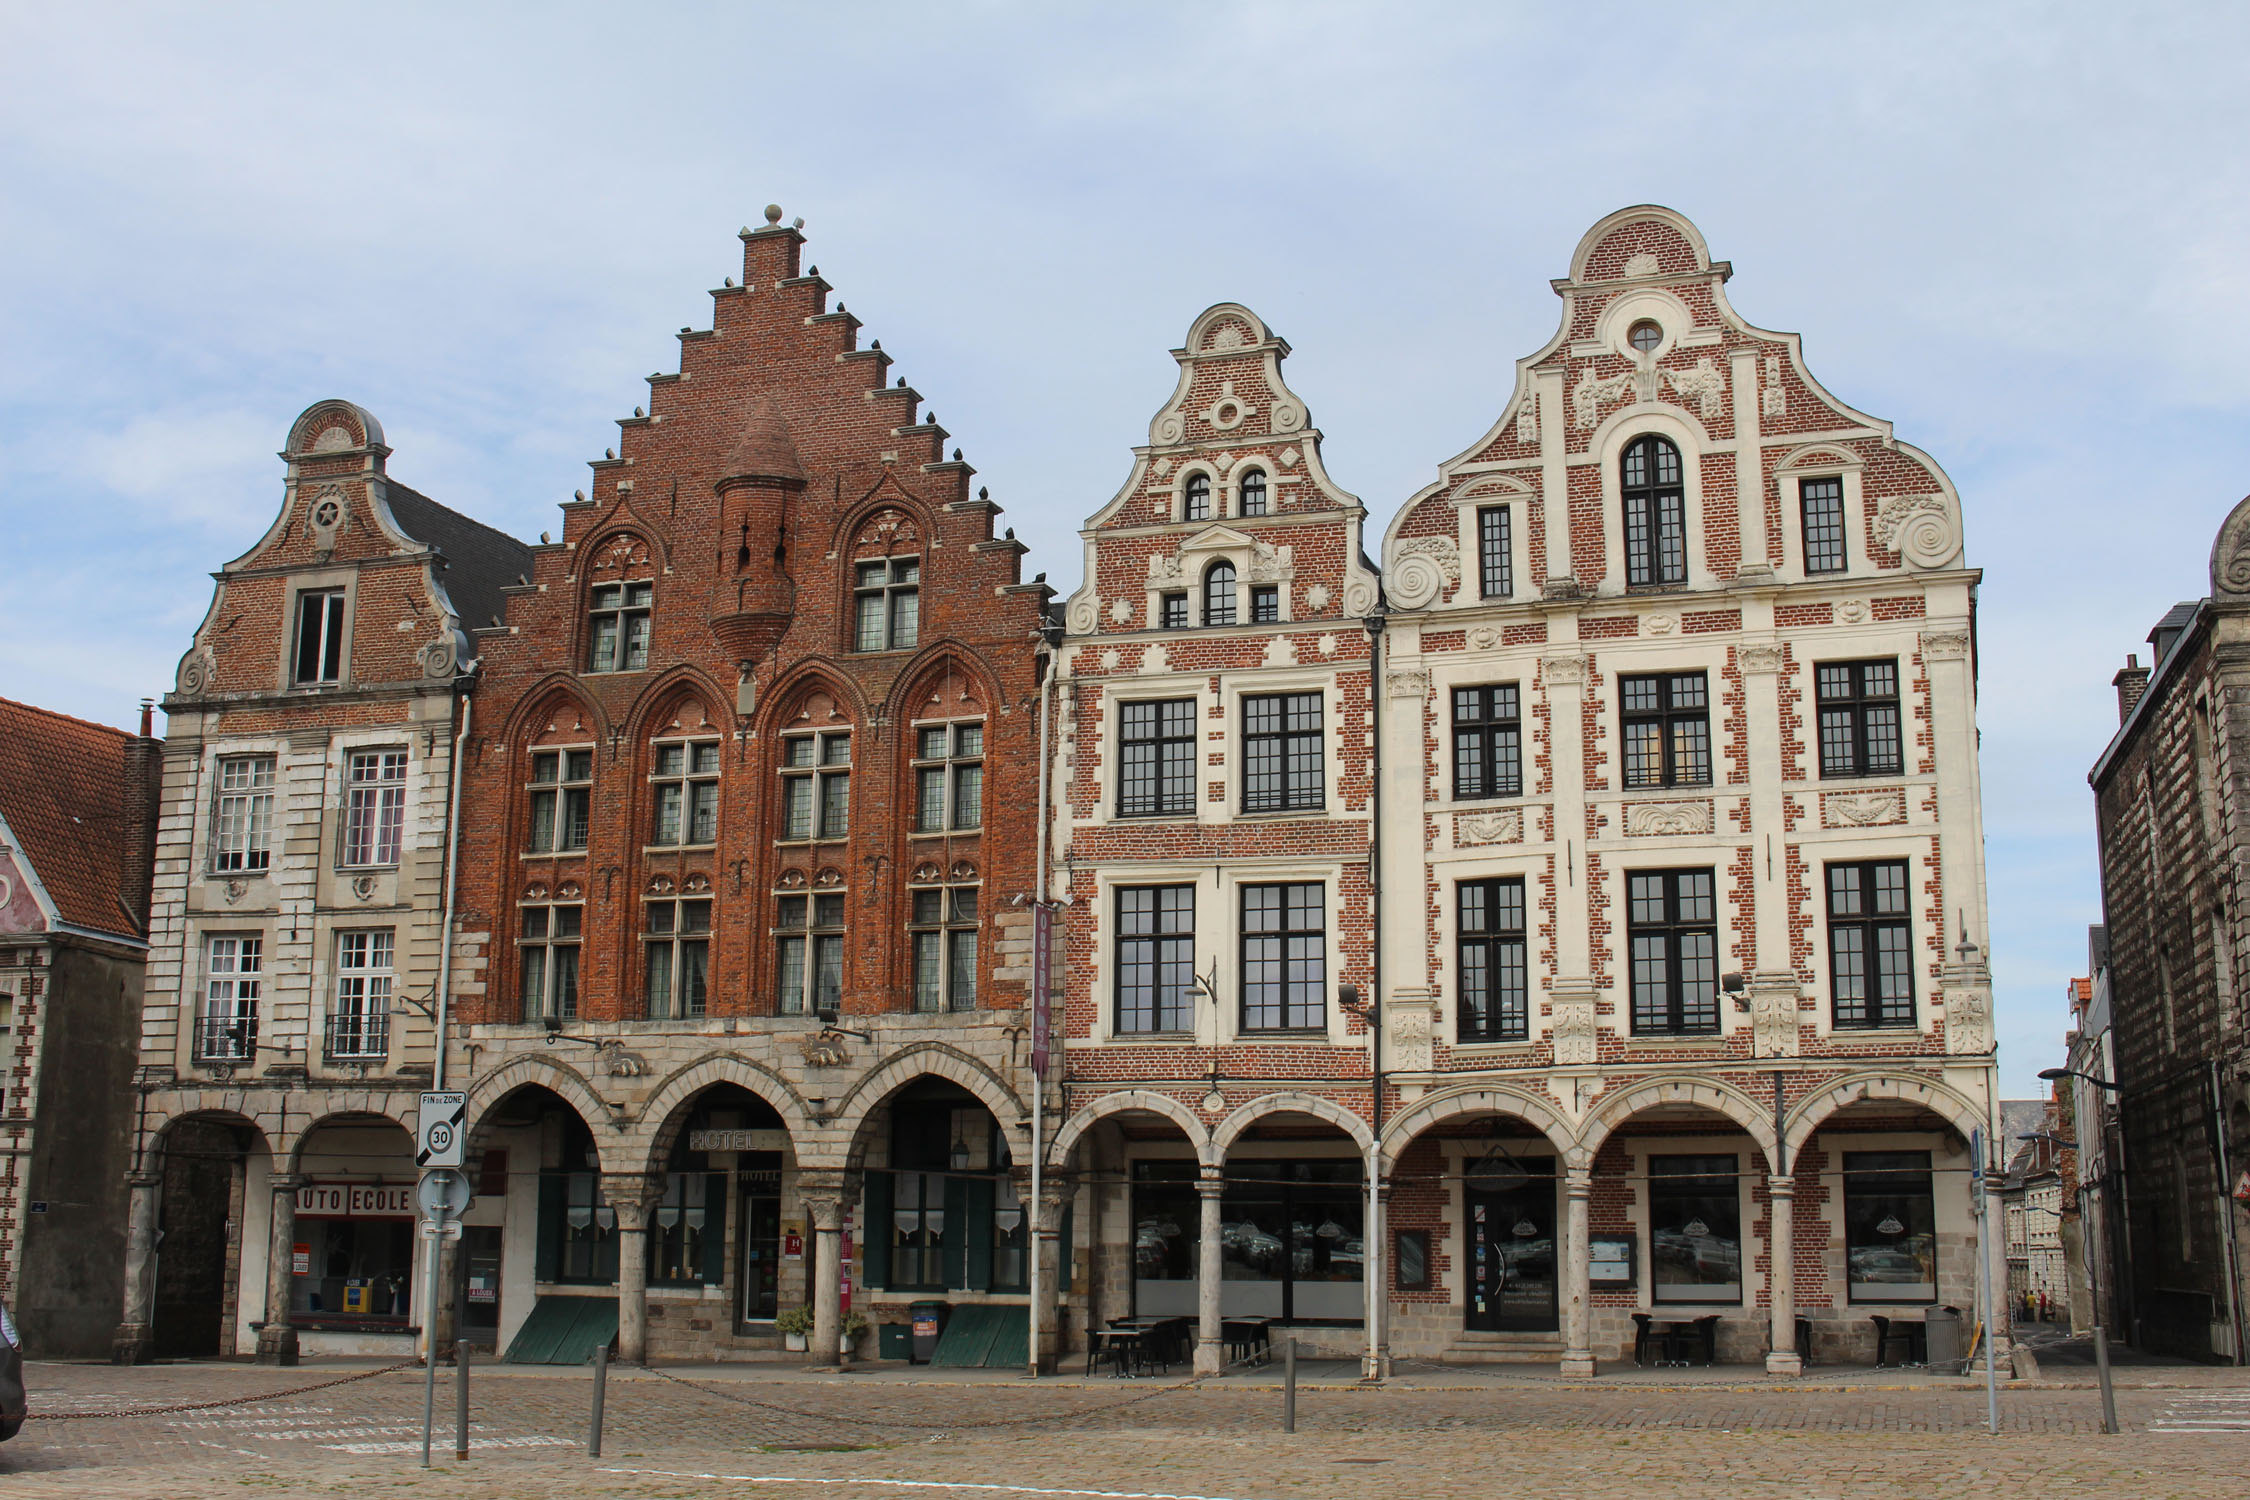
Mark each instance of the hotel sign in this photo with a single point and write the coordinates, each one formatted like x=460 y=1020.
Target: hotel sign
x=738 y=1140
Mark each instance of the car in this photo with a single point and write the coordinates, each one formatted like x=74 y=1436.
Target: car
x=12 y=1399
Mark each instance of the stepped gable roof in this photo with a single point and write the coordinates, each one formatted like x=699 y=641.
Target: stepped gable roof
x=64 y=789
x=765 y=449
x=480 y=560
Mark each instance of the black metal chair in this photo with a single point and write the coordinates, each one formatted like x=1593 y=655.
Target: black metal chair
x=1804 y=1342
x=1703 y=1339
x=1649 y=1340
x=1886 y=1340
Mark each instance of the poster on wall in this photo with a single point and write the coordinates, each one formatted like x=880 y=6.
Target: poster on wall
x=792 y=1242
x=300 y=1260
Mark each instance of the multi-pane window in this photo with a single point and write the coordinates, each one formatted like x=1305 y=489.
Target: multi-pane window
x=374 y=806
x=944 y=934
x=1822 y=501
x=1890 y=1227
x=1283 y=766
x=1218 y=593
x=1667 y=729
x=948 y=777
x=1284 y=957
x=359 y=1026
x=1655 y=514
x=1495 y=561
x=1870 y=955
x=676 y=939
x=233 y=975
x=887 y=605
x=1156 y=771
x=242 y=823
x=617 y=640
x=1859 y=719
x=1694 y=1229
x=1172 y=612
x=1495 y=987
x=1254 y=492
x=686 y=779
x=1265 y=604
x=1195 y=503
x=1487 y=742
x=562 y=792
x=1672 y=921
x=808 y=954
x=816 y=786
x=683 y=1227
x=548 y=951
x=320 y=636
x=1155 y=958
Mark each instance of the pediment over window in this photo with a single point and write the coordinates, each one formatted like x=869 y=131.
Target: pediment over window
x=1258 y=562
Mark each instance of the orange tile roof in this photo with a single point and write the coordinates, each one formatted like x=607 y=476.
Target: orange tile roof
x=64 y=787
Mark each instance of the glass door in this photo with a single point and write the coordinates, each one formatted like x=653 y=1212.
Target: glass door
x=1511 y=1257
x=480 y=1283
x=761 y=1257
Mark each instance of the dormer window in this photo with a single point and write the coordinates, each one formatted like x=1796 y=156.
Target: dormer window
x=618 y=640
x=1218 y=593
x=1254 y=492
x=1197 y=503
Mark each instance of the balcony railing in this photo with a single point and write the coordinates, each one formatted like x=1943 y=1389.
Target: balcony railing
x=227 y=1038
x=357 y=1036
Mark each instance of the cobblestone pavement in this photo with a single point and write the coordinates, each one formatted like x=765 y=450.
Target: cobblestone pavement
x=779 y=1432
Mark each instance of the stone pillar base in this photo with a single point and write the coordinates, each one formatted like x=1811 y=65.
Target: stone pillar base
x=1375 y=1367
x=277 y=1346
x=132 y=1344
x=1210 y=1359
x=1784 y=1362
x=1579 y=1367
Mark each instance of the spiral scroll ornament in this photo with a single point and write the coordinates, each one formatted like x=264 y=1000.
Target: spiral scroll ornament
x=1428 y=566
x=196 y=671
x=1921 y=528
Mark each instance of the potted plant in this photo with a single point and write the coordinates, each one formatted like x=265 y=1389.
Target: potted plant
x=855 y=1328
x=793 y=1325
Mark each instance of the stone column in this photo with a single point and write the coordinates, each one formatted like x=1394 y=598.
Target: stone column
x=825 y=1206
x=277 y=1341
x=630 y=1199
x=1047 y=1245
x=1210 y=1263
x=1999 y=1318
x=135 y=1336
x=1577 y=1269
x=1781 y=1275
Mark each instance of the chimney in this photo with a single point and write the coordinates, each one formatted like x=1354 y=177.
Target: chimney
x=2130 y=682
x=144 y=776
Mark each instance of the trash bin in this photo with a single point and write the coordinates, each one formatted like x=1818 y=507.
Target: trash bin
x=895 y=1341
x=929 y=1322
x=1942 y=1344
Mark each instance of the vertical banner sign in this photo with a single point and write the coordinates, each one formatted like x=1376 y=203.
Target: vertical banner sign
x=1042 y=978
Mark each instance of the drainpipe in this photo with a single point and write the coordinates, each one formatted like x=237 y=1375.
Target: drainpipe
x=2226 y=1212
x=1373 y=1242
x=452 y=857
x=1039 y=998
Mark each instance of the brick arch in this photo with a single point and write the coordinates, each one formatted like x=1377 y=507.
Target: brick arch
x=1704 y=1093
x=799 y=680
x=1482 y=1099
x=1126 y=1102
x=1230 y=1129
x=1821 y=456
x=559 y=1079
x=930 y=667
x=925 y=1060
x=217 y=1107
x=357 y=421
x=885 y=494
x=674 y=688
x=1810 y=1113
x=542 y=699
x=370 y=1109
x=658 y=1127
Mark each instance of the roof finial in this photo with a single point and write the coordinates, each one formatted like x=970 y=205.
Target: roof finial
x=773 y=213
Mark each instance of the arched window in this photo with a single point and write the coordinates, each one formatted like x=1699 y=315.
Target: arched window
x=1198 y=506
x=1655 y=514
x=1254 y=492
x=1218 y=593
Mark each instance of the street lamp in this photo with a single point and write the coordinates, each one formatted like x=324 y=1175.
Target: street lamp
x=2051 y=1075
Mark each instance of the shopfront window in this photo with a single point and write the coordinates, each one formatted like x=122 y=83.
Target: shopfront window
x=1291 y=1242
x=577 y=1231
x=352 y=1262
x=688 y=1230
x=1890 y=1227
x=1694 y=1229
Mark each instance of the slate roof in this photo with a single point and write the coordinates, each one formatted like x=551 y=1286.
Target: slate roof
x=480 y=561
x=65 y=788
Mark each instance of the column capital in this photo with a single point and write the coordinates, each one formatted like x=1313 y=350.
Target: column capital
x=143 y=1178
x=286 y=1182
x=1578 y=1182
x=1781 y=1187
x=1211 y=1183
x=631 y=1195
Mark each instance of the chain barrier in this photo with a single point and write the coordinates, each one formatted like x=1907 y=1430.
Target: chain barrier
x=185 y=1406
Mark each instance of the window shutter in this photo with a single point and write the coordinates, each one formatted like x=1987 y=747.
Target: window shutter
x=875 y=1233
x=952 y=1243
x=547 y=1258
x=714 y=1229
x=977 y=1191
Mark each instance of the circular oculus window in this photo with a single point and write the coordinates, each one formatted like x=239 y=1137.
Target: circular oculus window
x=1645 y=335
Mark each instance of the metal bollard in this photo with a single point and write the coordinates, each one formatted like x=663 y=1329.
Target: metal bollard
x=601 y=1380
x=2101 y=1371
x=461 y=1400
x=1289 y=1386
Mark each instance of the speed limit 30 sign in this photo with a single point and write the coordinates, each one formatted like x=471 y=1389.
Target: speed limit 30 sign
x=442 y=1131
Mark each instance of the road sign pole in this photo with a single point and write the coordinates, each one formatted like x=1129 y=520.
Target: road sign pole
x=429 y=1334
x=443 y=1196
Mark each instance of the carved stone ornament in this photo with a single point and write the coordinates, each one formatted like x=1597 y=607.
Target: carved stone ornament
x=1167 y=429
x=1288 y=416
x=1410 y=1040
x=1573 y=1028
x=1316 y=597
x=1660 y=623
x=1223 y=462
x=619 y=1063
x=1085 y=615
x=442 y=657
x=1229 y=335
x=1589 y=395
x=1271 y=564
x=1643 y=264
x=1409 y=682
x=660 y=886
x=1773 y=401
x=197 y=670
x=1863 y=809
x=1527 y=419
x=363 y=888
x=1851 y=612
x=1502 y=825
x=1773 y=1020
x=1968 y=1019
x=1111 y=658
x=1921 y=528
x=888 y=531
x=1665 y=819
x=1288 y=457
x=1704 y=385
x=1121 y=610
x=1426 y=566
x=1165 y=572
x=1360 y=596
x=1759 y=659
x=2230 y=554
x=1484 y=638
x=236 y=889
x=1563 y=671
x=1945 y=645
x=1229 y=411
x=1161 y=469
x=824 y=1050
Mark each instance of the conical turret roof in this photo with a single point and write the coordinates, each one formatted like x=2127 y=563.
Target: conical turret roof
x=764 y=450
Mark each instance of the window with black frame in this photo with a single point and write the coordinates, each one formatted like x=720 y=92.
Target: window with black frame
x=1655 y=514
x=1694 y=1229
x=562 y=793
x=1156 y=758
x=1155 y=958
x=1890 y=1227
x=1672 y=923
x=1495 y=565
x=1495 y=985
x=943 y=929
x=1253 y=492
x=1822 y=504
x=1265 y=604
x=1487 y=742
x=1859 y=719
x=1284 y=957
x=617 y=627
x=887 y=604
x=1870 y=947
x=682 y=1227
x=1172 y=612
x=808 y=936
x=676 y=944
x=1218 y=593
x=1283 y=767
x=1195 y=498
x=1667 y=720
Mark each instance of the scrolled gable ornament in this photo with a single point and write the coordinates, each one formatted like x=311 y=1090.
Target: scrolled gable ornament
x=1921 y=528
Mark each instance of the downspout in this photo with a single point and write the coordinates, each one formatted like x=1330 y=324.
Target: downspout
x=1039 y=1000
x=2226 y=1212
x=452 y=857
x=1374 y=1240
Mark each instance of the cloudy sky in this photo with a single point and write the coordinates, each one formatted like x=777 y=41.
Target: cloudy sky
x=2020 y=232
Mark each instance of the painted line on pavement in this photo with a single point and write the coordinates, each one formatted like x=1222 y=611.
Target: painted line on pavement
x=920 y=1484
